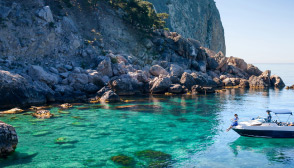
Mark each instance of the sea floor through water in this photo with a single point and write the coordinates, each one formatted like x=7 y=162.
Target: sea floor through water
x=191 y=129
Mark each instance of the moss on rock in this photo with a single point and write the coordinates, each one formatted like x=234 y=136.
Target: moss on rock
x=122 y=160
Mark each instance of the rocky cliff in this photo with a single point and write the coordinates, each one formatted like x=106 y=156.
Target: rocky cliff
x=66 y=51
x=197 y=19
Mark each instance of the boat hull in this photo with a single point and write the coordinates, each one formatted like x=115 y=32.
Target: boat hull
x=265 y=133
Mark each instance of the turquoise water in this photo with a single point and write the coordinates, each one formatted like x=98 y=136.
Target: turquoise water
x=189 y=128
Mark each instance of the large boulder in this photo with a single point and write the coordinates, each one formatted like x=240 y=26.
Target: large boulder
x=125 y=85
x=119 y=69
x=160 y=84
x=266 y=77
x=104 y=67
x=8 y=139
x=157 y=70
x=15 y=90
x=141 y=76
x=187 y=80
x=277 y=81
x=253 y=70
x=243 y=83
x=110 y=97
x=95 y=78
x=222 y=61
x=236 y=72
x=212 y=63
x=176 y=70
x=257 y=82
x=78 y=78
x=38 y=73
x=237 y=62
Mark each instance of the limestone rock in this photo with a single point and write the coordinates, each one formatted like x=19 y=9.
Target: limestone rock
x=105 y=67
x=38 y=73
x=160 y=84
x=175 y=88
x=110 y=97
x=277 y=81
x=266 y=77
x=15 y=90
x=244 y=83
x=46 y=14
x=237 y=62
x=125 y=85
x=176 y=70
x=253 y=70
x=187 y=80
x=209 y=31
x=157 y=70
x=95 y=78
x=8 y=139
x=63 y=89
x=200 y=89
x=102 y=91
x=12 y=111
x=257 y=82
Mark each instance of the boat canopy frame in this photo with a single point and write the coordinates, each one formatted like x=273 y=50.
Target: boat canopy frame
x=281 y=111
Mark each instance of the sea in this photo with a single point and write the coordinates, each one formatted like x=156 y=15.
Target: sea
x=156 y=131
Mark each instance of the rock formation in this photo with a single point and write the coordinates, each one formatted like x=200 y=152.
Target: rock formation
x=56 y=53
x=197 y=19
x=8 y=139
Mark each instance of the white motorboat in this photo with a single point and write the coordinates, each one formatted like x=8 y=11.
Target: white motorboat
x=261 y=127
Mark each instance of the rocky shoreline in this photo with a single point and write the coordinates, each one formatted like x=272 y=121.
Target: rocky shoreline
x=190 y=68
x=69 y=55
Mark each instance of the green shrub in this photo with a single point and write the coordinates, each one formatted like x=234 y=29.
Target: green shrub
x=141 y=14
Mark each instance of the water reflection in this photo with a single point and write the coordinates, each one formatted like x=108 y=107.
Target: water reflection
x=275 y=150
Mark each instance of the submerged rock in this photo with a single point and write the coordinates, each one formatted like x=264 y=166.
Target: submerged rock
x=66 y=105
x=42 y=114
x=12 y=111
x=8 y=139
x=65 y=140
x=122 y=160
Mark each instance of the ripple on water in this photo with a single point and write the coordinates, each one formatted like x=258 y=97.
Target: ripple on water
x=190 y=129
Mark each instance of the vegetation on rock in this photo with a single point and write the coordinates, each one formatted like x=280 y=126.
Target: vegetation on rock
x=141 y=14
x=122 y=160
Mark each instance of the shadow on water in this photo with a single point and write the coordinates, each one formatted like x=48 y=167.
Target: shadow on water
x=275 y=150
x=17 y=158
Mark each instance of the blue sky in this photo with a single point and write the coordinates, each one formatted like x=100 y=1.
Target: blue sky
x=259 y=31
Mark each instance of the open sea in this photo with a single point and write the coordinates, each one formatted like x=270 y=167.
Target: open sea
x=186 y=131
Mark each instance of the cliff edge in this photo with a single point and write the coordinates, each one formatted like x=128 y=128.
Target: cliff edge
x=197 y=19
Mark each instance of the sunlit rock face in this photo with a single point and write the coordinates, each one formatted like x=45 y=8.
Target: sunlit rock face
x=197 y=19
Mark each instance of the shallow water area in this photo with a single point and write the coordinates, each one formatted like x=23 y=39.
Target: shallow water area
x=189 y=128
